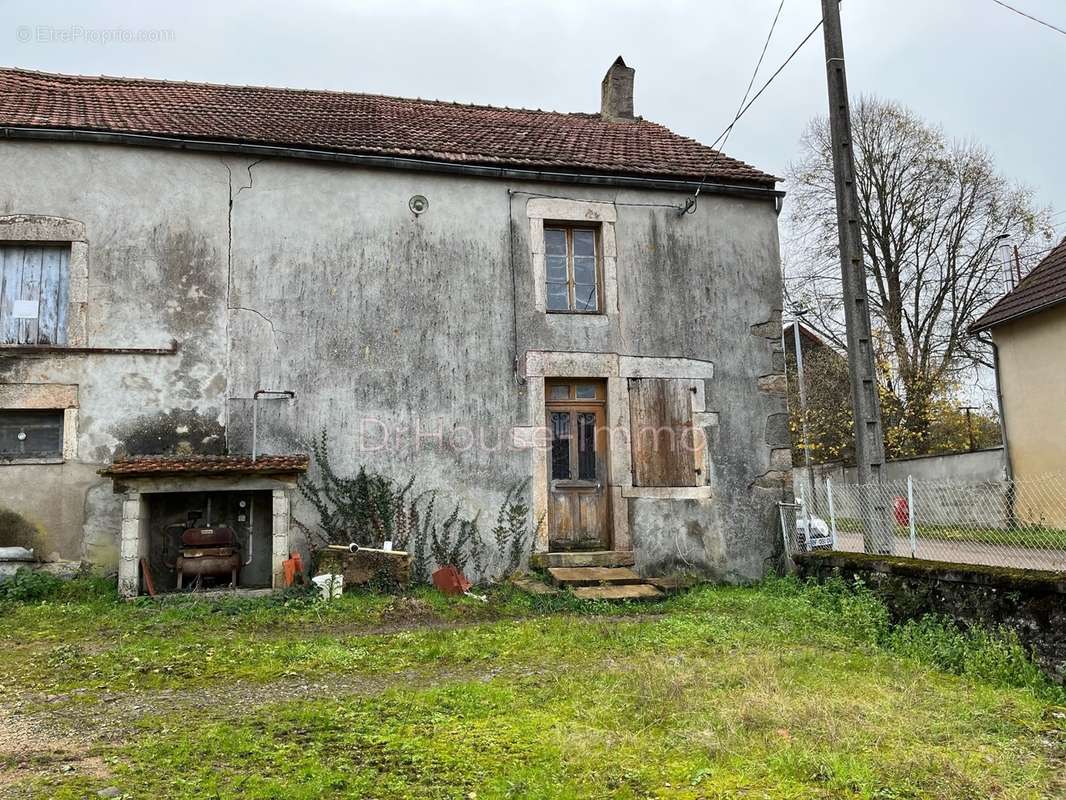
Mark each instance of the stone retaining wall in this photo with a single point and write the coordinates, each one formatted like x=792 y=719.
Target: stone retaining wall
x=1030 y=602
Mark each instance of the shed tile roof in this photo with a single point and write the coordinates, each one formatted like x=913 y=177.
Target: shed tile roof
x=152 y=466
x=365 y=124
x=1042 y=288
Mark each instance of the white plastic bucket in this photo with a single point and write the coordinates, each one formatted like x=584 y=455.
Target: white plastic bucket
x=329 y=585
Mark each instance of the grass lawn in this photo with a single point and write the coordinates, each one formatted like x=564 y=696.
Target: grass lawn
x=777 y=691
x=1034 y=536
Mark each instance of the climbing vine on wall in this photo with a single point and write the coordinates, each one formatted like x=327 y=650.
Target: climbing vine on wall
x=371 y=508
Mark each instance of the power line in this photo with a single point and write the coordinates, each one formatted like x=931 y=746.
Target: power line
x=691 y=205
x=758 y=64
x=1029 y=16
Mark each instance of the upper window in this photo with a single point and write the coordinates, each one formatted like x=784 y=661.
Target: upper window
x=572 y=269
x=31 y=433
x=34 y=293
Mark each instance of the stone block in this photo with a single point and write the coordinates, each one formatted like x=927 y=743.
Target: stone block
x=366 y=566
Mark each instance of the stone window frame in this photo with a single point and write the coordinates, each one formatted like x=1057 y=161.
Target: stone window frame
x=28 y=229
x=45 y=397
x=616 y=370
x=574 y=212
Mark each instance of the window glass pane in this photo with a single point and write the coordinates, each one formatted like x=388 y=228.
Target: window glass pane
x=584 y=269
x=561 y=392
x=558 y=297
x=560 y=445
x=555 y=241
x=586 y=447
x=584 y=242
x=556 y=266
x=585 y=298
x=31 y=434
x=586 y=391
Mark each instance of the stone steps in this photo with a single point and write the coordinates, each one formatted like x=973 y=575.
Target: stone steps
x=594 y=558
x=640 y=591
x=571 y=577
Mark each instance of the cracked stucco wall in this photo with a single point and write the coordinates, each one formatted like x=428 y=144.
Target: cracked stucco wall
x=318 y=278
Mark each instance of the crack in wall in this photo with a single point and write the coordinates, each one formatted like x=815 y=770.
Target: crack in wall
x=231 y=197
x=273 y=331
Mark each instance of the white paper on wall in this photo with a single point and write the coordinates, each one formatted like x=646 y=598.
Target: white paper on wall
x=24 y=309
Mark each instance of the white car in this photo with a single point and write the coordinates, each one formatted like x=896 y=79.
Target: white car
x=817 y=537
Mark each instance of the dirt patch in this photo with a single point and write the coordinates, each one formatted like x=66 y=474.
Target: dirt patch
x=32 y=748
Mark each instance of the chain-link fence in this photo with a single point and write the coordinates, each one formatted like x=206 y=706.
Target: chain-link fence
x=1001 y=523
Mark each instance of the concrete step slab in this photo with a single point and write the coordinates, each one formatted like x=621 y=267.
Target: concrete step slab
x=592 y=558
x=640 y=591
x=533 y=586
x=593 y=576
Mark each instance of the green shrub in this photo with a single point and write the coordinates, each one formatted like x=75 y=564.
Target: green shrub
x=995 y=656
x=992 y=656
x=27 y=586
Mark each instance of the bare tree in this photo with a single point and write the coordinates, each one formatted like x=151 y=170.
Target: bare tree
x=934 y=213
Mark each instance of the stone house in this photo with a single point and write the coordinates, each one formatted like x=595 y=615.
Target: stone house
x=476 y=296
x=1028 y=327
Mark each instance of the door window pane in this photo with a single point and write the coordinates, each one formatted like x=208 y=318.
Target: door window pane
x=586 y=446
x=560 y=445
x=586 y=391
x=560 y=392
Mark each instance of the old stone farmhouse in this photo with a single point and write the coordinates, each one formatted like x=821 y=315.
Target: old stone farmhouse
x=477 y=296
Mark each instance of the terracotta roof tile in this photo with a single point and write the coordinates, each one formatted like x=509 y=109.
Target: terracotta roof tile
x=1042 y=288
x=149 y=466
x=345 y=122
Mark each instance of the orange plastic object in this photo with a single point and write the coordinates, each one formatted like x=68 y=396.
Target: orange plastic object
x=450 y=581
x=294 y=568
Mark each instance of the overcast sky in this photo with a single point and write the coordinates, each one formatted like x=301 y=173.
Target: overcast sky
x=970 y=65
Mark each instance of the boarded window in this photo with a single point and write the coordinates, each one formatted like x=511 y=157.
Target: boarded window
x=31 y=433
x=34 y=282
x=666 y=449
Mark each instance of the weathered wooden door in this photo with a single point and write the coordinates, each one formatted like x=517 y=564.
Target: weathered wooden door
x=579 y=502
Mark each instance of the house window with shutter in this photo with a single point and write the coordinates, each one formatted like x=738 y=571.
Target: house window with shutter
x=667 y=448
x=34 y=293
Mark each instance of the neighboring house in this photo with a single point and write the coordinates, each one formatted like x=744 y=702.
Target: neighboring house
x=811 y=341
x=1028 y=329
x=477 y=296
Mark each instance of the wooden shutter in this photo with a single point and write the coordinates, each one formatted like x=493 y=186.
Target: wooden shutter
x=660 y=413
x=34 y=276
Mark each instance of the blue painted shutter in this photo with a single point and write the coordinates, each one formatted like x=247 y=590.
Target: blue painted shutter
x=38 y=275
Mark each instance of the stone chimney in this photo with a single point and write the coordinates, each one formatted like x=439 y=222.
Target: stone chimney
x=616 y=92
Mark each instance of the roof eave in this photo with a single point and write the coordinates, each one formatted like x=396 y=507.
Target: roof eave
x=980 y=326
x=752 y=188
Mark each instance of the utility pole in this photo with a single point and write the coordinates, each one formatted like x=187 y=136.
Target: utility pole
x=799 y=313
x=866 y=405
x=969 y=425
